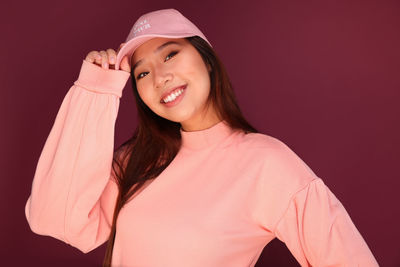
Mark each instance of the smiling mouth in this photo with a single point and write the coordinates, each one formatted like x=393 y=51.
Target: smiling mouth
x=173 y=95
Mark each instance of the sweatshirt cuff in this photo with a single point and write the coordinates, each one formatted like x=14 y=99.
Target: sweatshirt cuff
x=106 y=81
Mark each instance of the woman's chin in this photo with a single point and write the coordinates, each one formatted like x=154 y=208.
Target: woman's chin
x=178 y=115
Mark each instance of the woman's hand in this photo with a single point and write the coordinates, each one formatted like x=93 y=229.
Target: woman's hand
x=107 y=59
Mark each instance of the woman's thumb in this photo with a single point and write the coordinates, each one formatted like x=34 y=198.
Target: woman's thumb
x=124 y=65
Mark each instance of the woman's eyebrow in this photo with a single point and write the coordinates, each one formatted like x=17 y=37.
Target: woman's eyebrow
x=156 y=51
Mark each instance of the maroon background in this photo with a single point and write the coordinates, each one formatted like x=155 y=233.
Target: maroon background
x=322 y=76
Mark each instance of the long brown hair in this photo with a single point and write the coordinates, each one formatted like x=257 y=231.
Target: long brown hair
x=156 y=140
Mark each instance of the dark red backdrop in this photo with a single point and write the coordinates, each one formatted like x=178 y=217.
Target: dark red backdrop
x=322 y=76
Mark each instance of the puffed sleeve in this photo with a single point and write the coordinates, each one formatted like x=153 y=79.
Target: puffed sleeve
x=294 y=205
x=73 y=193
x=318 y=231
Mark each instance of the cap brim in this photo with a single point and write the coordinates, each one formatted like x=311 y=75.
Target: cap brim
x=129 y=47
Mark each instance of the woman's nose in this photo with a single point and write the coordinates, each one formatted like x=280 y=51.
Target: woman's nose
x=162 y=76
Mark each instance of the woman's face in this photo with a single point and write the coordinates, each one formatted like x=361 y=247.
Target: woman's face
x=173 y=81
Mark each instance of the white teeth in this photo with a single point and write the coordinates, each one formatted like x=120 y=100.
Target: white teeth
x=172 y=96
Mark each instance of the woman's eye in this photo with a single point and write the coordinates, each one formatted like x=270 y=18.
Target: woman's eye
x=173 y=53
x=140 y=75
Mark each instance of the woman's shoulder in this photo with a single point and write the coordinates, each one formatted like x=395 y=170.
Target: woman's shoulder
x=275 y=154
x=262 y=141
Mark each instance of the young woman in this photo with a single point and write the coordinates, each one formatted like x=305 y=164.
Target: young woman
x=196 y=184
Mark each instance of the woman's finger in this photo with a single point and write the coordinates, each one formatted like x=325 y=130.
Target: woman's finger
x=104 y=59
x=91 y=56
x=97 y=58
x=112 y=56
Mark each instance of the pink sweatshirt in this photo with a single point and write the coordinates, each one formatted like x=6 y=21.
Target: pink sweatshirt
x=223 y=198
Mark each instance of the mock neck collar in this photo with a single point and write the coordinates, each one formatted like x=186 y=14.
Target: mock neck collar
x=206 y=137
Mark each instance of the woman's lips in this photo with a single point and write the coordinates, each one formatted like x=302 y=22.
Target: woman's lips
x=171 y=91
x=177 y=99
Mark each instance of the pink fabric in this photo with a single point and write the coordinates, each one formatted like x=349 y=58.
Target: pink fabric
x=168 y=23
x=223 y=198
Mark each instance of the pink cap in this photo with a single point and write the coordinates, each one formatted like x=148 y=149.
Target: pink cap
x=168 y=23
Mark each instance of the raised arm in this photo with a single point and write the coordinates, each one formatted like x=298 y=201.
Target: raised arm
x=73 y=193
